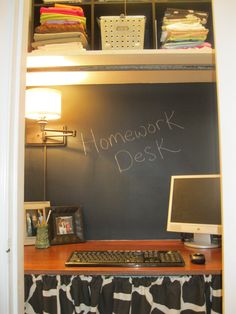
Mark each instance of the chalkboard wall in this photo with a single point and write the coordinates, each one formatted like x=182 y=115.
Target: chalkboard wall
x=130 y=140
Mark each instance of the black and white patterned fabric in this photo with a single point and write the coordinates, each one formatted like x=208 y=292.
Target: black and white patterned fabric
x=65 y=294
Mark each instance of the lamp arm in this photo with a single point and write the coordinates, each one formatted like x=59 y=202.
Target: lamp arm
x=68 y=133
x=61 y=133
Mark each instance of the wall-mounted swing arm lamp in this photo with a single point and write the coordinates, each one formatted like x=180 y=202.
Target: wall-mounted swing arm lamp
x=42 y=105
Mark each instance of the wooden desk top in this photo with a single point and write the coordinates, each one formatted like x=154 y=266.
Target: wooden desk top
x=52 y=260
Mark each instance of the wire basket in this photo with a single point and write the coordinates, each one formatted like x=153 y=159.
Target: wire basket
x=122 y=32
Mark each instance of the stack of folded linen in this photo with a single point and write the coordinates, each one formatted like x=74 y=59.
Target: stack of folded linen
x=184 y=29
x=59 y=49
x=54 y=1
x=61 y=24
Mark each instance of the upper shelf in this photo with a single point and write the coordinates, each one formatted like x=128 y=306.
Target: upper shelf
x=122 y=67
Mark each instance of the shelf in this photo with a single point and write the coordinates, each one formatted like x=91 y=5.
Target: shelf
x=148 y=65
x=41 y=3
x=122 y=67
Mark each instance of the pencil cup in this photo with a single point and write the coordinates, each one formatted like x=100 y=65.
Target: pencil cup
x=42 y=241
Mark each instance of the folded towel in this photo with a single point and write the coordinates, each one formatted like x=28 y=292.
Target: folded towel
x=61 y=11
x=46 y=36
x=44 y=17
x=183 y=27
x=63 y=46
x=66 y=6
x=71 y=1
x=61 y=49
x=81 y=39
x=60 y=28
x=172 y=36
x=182 y=44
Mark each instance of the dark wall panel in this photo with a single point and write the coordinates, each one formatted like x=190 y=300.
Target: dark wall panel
x=34 y=170
x=130 y=140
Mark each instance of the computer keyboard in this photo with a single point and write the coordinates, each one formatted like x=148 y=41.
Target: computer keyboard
x=125 y=259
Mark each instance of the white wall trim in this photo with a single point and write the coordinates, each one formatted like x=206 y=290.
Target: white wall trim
x=13 y=30
x=224 y=28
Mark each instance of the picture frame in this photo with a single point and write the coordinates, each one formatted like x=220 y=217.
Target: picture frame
x=35 y=213
x=65 y=225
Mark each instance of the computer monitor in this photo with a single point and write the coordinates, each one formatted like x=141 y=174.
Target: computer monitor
x=195 y=207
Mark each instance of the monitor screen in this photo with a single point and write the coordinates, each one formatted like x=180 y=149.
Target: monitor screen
x=195 y=204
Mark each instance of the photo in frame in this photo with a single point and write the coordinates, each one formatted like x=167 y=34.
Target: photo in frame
x=35 y=214
x=65 y=225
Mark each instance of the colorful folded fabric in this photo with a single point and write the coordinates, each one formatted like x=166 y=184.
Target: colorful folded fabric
x=59 y=49
x=57 y=28
x=53 y=1
x=81 y=39
x=187 y=45
x=60 y=24
x=172 y=14
x=184 y=35
x=61 y=11
x=183 y=28
x=44 y=17
x=53 y=47
x=46 y=36
x=66 y=6
x=182 y=45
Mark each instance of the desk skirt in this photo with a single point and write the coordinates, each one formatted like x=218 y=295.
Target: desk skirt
x=67 y=294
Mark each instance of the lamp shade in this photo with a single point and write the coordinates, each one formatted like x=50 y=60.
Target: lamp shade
x=43 y=104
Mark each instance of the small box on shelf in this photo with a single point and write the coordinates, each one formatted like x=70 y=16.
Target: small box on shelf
x=122 y=32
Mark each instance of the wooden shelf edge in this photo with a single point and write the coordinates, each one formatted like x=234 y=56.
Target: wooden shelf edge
x=120 y=272
x=121 y=67
x=123 y=57
x=115 y=77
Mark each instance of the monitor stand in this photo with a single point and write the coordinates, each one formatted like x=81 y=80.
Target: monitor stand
x=201 y=241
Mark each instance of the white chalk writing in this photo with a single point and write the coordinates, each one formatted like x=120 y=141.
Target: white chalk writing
x=124 y=159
